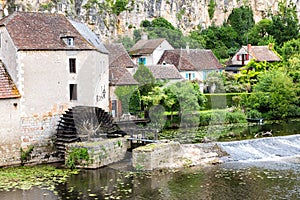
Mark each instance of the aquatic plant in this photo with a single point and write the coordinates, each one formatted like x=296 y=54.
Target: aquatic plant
x=25 y=177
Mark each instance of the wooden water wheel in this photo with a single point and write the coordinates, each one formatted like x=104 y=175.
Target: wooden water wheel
x=84 y=123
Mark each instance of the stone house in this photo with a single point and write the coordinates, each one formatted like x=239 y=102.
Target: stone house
x=192 y=64
x=120 y=65
x=53 y=67
x=148 y=51
x=246 y=53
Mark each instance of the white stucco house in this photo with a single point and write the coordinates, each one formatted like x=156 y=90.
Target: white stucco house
x=192 y=64
x=148 y=51
x=246 y=53
x=53 y=66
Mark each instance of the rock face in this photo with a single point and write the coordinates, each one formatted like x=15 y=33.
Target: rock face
x=108 y=23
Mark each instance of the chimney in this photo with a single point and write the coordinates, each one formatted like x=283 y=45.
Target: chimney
x=144 y=36
x=270 y=46
x=248 y=47
x=187 y=48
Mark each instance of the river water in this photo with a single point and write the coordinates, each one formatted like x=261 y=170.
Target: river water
x=256 y=169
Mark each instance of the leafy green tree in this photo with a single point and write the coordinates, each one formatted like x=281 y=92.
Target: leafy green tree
x=127 y=42
x=290 y=49
x=161 y=22
x=146 y=82
x=145 y=79
x=259 y=32
x=274 y=95
x=135 y=102
x=241 y=20
x=129 y=97
x=285 y=25
x=215 y=83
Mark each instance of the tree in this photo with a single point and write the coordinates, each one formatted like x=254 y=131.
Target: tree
x=145 y=79
x=290 y=49
x=241 y=20
x=285 y=24
x=161 y=22
x=215 y=83
x=127 y=42
x=129 y=97
x=146 y=82
x=259 y=32
x=274 y=95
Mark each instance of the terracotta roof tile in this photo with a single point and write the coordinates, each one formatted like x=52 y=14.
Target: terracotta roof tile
x=7 y=87
x=145 y=47
x=263 y=53
x=165 y=72
x=191 y=60
x=42 y=31
x=118 y=55
x=120 y=76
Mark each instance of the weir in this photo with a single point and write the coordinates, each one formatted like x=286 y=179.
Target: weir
x=263 y=149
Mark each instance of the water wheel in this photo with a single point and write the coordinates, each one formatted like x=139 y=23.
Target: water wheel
x=84 y=123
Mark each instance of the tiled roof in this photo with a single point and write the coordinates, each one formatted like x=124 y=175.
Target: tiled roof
x=262 y=53
x=118 y=56
x=120 y=76
x=165 y=72
x=89 y=35
x=145 y=47
x=191 y=59
x=42 y=31
x=7 y=87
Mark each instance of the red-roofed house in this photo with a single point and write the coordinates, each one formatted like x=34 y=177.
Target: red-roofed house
x=246 y=53
x=53 y=67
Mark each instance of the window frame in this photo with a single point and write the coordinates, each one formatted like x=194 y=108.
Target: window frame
x=73 y=92
x=72 y=65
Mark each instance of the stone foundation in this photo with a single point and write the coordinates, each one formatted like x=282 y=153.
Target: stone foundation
x=101 y=153
x=174 y=155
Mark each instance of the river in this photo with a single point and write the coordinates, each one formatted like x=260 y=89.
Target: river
x=255 y=169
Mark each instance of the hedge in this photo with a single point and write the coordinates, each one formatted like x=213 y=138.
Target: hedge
x=222 y=100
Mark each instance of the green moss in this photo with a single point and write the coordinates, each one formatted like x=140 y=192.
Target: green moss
x=25 y=154
x=77 y=156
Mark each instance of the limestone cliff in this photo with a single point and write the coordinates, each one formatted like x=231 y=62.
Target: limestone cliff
x=110 y=22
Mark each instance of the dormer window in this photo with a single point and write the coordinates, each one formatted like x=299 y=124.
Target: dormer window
x=70 y=41
x=68 y=38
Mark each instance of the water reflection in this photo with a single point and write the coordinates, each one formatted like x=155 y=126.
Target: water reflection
x=228 y=181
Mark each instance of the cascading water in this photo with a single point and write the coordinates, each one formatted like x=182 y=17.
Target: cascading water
x=284 y=148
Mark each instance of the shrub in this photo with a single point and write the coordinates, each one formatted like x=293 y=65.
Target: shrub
x=235 y=117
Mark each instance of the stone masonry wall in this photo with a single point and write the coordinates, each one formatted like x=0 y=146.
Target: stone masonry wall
x=174 y=155
x=101 y=153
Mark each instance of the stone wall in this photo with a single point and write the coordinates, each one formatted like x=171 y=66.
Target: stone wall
x=174 y=155
x=101 y=153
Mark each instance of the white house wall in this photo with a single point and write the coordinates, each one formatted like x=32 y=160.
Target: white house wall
x=47 y=78
x=8 y=54
x=44 y=88
x=10 y=134
x=158 y=52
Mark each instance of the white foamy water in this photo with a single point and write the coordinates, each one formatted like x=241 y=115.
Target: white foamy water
x=284 y=148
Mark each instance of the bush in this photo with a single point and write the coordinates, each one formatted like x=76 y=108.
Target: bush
x=254 y=114
x=235 y=117
x=221 y=101
x=221 y=117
